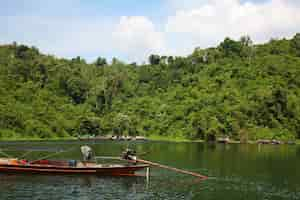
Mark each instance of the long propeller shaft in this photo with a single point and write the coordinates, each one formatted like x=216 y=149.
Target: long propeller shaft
x=172 y=168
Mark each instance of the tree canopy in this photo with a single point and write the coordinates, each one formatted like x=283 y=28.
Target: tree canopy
x=234 y=89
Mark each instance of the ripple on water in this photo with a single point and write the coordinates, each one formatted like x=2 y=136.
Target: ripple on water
x=237 y=173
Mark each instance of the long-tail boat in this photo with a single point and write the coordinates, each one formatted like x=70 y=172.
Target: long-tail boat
x=68 y=167
x=133 y=164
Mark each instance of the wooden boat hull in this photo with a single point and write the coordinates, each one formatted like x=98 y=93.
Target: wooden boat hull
x=105 y=171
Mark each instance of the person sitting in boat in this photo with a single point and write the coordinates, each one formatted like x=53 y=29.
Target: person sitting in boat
x=86 y=152
x=129 y=154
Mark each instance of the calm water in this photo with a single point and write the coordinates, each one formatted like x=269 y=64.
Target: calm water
x=235 y=171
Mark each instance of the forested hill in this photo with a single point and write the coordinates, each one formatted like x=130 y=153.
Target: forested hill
x=236 y=89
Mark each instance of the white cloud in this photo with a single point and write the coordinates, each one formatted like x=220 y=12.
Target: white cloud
x=213 y=20
x=137 y=38
x=60 y=36
x=66 y=32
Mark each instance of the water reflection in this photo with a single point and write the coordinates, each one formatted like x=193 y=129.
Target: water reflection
x=235 y=171
x=298 y=150
x=68 y=187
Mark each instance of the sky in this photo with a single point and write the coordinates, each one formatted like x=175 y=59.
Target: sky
x=131 y=30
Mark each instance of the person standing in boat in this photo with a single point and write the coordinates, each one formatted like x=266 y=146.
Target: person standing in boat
x=86 y=152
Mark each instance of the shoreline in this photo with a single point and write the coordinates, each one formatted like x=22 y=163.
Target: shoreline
x=171 y=139
x=155 y=138
x=36 y=139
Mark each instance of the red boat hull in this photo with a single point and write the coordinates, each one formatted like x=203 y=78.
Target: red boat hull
x=105 y=171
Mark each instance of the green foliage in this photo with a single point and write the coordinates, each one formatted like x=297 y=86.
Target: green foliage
x=100 y=62
x=267 y=133
x=8 y=133
x=295 y=43
x=89 y=126
x=238 y=90
x=230 y=47
x=154 y=59
x=37 y=128
x=76 y=88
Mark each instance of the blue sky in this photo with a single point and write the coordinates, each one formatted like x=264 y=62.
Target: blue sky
x=133 y=29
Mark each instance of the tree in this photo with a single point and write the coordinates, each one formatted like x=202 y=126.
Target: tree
x=76 y=88
x=295 y=43
x=122 y=124
x=43 y=75
x=230 y=47
x=37 y=128
x=154 y=59
x=246 y=41
x=116 y=61
x=89 y=126
x=213 y=92
x=100 y=62
x=25 y=53
x=170 y=59
x=246 y=47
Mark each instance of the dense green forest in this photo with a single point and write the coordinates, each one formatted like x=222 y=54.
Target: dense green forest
x=237 y=89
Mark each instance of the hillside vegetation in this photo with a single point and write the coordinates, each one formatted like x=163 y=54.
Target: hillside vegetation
x=236 y=89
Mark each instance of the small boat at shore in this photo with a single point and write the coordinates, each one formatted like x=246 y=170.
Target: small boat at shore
x=113 y=137
x=224 y=140
x=128 y=138
x=11 y=165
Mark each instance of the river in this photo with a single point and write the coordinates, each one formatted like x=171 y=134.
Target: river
x=236 y=172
